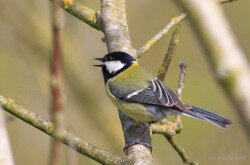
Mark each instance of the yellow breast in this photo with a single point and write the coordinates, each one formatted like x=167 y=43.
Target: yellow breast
x=132 y=79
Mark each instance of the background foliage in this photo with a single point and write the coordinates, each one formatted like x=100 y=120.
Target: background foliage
x=25 y=49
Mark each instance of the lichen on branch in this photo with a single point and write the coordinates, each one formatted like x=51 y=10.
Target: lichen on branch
x=65 y=137
x=82 y=12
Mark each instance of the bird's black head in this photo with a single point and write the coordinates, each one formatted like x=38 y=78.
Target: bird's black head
x=114 y=63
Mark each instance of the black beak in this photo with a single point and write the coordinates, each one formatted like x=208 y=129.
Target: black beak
x=99 y=59
x=100 y=65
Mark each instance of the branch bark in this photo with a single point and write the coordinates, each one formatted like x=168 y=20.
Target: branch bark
x=113 y=18
x=65 y=137
x=56 y=111
x=84 y=13
x=170 y=52
x=226 y=59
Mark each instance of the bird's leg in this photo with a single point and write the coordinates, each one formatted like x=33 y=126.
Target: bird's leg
x=172 y=127
x=166 y=123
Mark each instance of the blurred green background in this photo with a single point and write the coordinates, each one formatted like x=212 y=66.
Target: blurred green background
x=25 y=49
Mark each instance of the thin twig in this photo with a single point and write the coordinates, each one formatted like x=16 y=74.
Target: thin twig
x=56 y=91
x=183 y=69
x=174 y=21
x=168 y=57
x=163 y=71
x=65 y=137
x=169 y=129
x=179 y=150
x=170 y=138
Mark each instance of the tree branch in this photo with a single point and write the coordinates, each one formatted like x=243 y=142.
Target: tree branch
x=56 y=111
x=183 y=69
x=85 y=14
x=169 y=129
x=226 y=59
x=170 y=138
x=174 y=21
x=113 y=18
x=180 y=151
x=162 y=71
x=65 y=137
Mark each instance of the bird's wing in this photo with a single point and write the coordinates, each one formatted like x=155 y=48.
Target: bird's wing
x=164 y=94
x=155 y=93
x=145 y=96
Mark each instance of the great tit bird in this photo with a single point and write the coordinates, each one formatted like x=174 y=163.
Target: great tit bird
x=143 y=97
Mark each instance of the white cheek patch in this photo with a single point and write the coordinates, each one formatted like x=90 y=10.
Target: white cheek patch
x=114 y=66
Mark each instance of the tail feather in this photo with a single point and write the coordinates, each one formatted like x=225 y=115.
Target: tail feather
x=207 y=116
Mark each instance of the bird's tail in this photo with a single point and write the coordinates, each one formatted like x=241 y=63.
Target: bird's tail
x=205 y=115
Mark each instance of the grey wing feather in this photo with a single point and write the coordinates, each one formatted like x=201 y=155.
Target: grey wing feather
x=156 y=93
x=164 y=94
x=145 y=96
